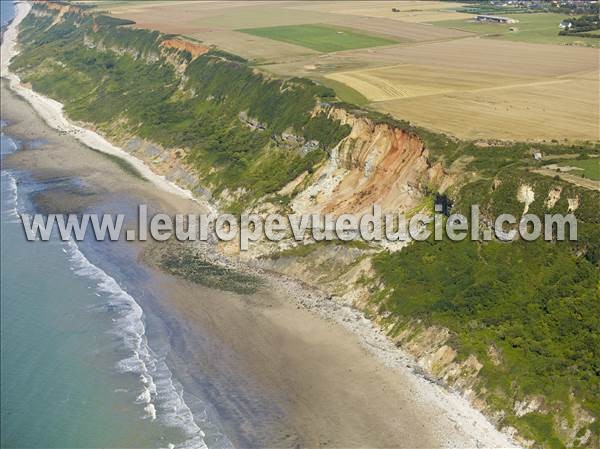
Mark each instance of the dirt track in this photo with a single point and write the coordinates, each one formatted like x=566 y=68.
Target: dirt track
x=574 y=179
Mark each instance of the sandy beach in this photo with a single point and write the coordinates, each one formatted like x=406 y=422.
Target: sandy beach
x=284 y=367
x=51 y=112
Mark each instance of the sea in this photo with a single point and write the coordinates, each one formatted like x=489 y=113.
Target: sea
x=82 y=364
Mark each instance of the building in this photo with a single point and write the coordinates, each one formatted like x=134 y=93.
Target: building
x=494 y=19
x=565 y=24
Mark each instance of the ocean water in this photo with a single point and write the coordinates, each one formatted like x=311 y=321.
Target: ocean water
x=76 y=369
x=82 y=364
x=7 y=11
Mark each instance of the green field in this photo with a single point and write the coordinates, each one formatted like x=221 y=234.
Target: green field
x=321 y=38
x=591 y=168
x=539 y=28
x=344 y=93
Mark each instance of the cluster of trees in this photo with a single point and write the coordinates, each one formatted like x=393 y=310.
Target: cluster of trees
x=571 y=7
x=528 y=6
x=581 y=26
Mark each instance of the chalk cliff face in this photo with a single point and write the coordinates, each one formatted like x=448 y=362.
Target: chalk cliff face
x=309 y=154
x=376 y=163
x=60 y=9
x=195 y=50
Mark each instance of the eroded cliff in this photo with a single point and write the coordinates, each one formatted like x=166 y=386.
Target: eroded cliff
x=376 y=163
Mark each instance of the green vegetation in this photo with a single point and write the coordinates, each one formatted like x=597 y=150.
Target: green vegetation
x=503 y=197
x=590 y=167
x=122 y=163
x=321 y=38
x=529 y=311
x=59 y=61
x=540 y=28
x=483 y=304
x=586 y=26
x=345 y=93
x=109 y=21
x=188 y=264
x=535 y=303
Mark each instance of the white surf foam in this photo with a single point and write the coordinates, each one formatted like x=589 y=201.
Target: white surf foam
x=161 y=397
x=9 y=146
x=10 y=198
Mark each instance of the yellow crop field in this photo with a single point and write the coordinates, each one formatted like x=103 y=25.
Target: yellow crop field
x=556 y=109
x=478 y=88
x=412 y=80
x=407 y=11
x=494 y=56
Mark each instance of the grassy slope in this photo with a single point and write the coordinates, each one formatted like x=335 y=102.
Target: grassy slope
x=320 y=37
x=539 y=28
x=591 y=168
x=536 y=304
x=92 y=86
x=345 y=92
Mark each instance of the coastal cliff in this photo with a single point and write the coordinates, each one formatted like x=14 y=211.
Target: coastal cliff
x=279 y=134
x=377 y=163
x=467 y=312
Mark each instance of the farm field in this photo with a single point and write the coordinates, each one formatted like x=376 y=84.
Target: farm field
x=260 y=50
x=539 y=28
x=216 y=23
x=414 y=32
x=407 y=11
x=489 y=55
x=558 y=109
x=414 y=64
x=495 y=57
x=321 y=38
x=413 y=80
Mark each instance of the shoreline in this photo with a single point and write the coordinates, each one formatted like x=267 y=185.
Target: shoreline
x=465 y=426
x=51 y=111
x=135 y=357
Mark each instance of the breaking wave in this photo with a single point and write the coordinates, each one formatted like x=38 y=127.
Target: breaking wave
x=160 y=396
x=9 y=198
